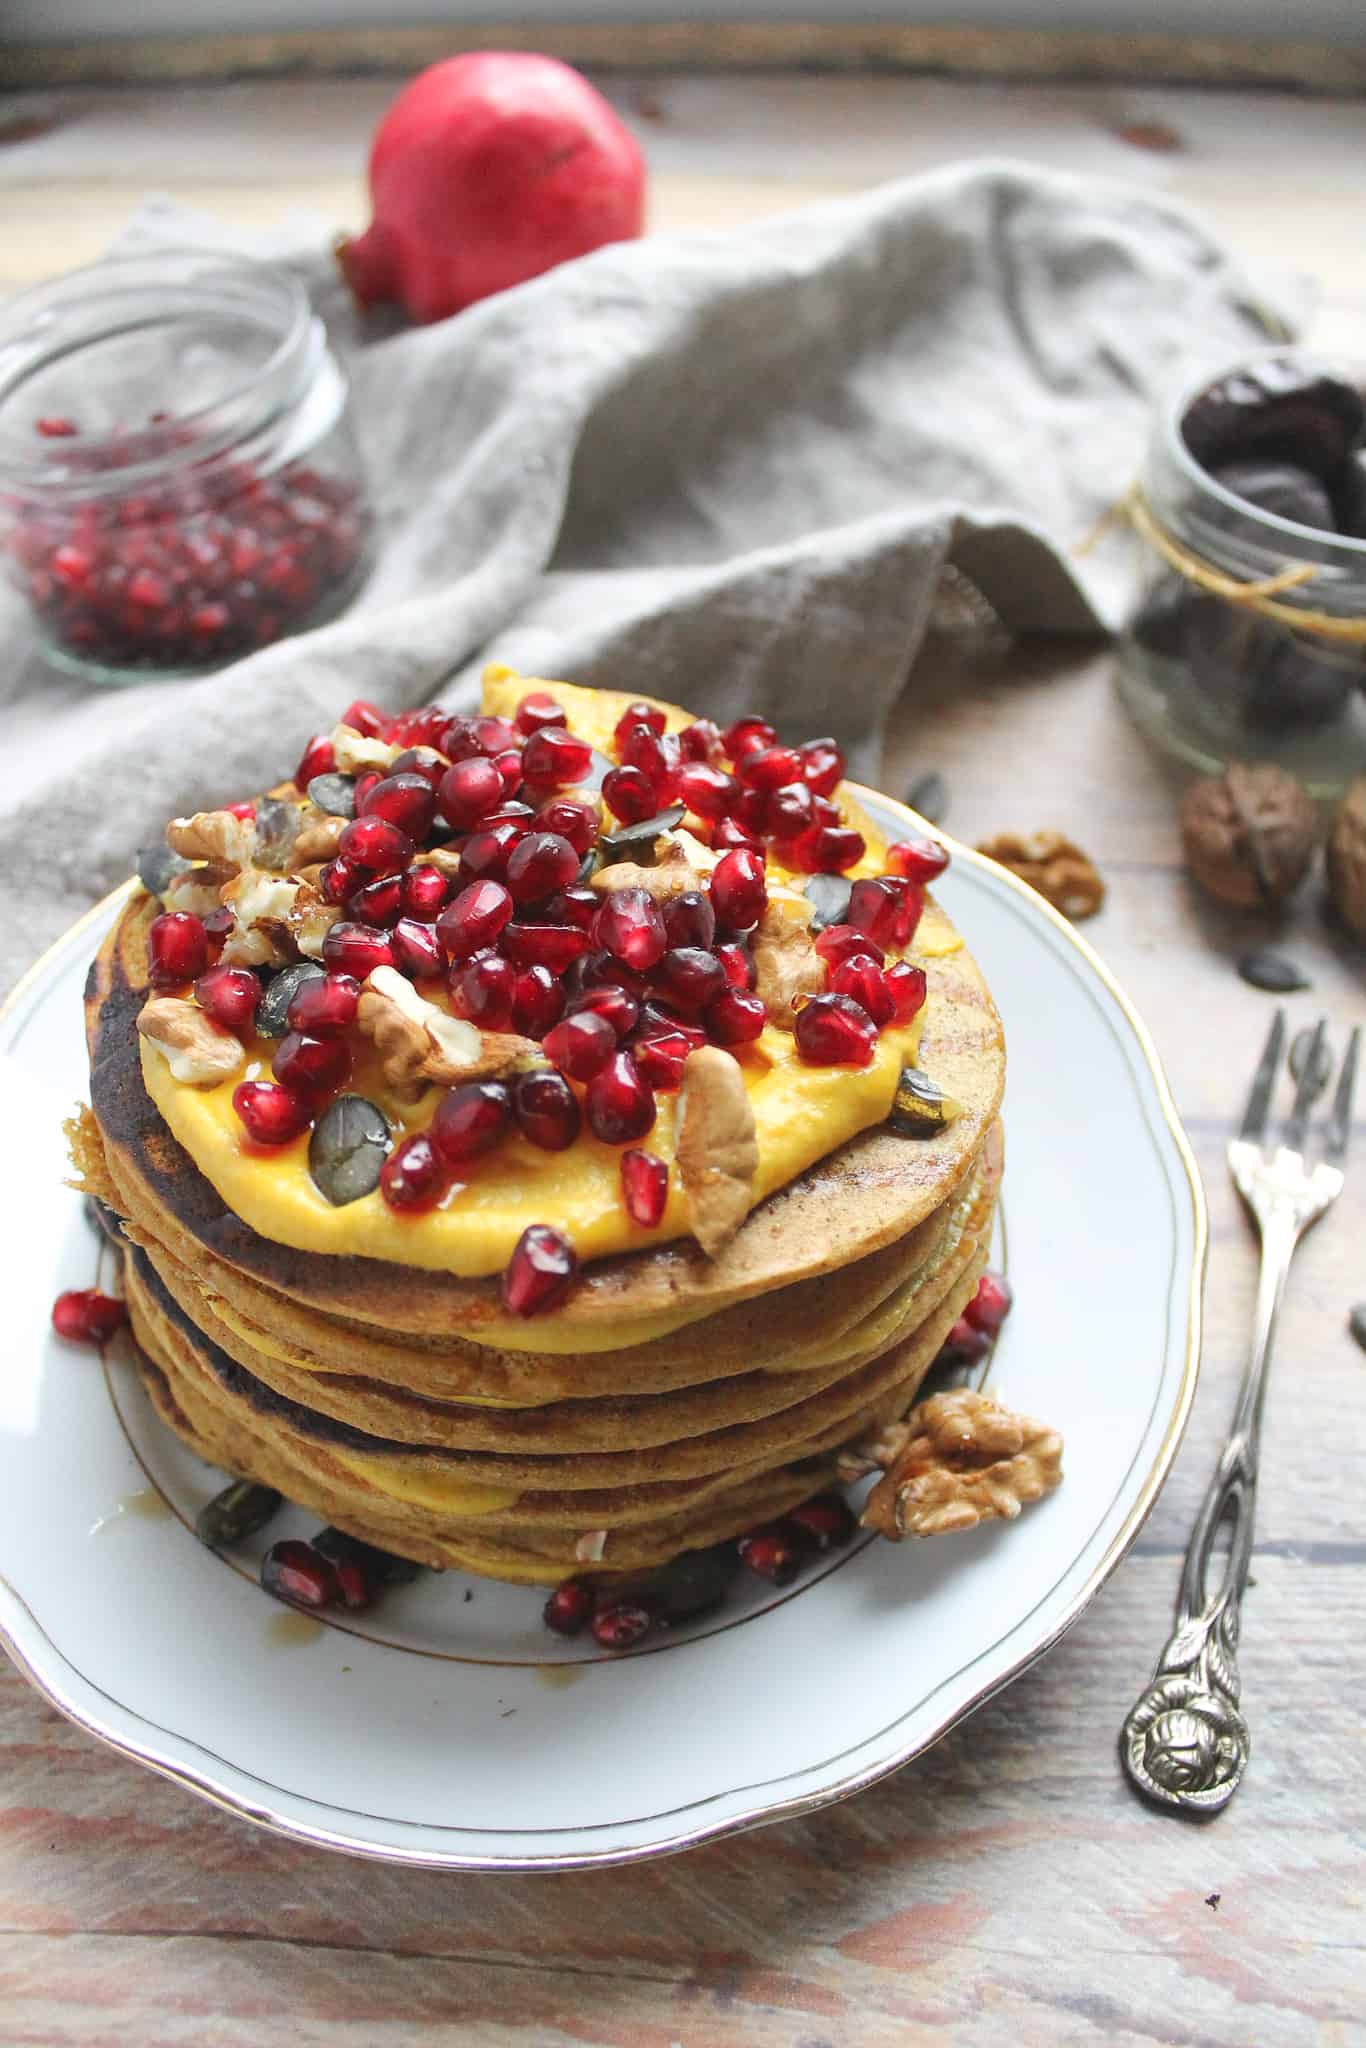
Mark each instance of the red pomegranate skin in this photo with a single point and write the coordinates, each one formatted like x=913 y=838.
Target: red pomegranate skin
x=487 y=170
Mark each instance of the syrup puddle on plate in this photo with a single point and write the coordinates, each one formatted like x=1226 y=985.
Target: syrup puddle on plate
x=289 y=1631
x=558 y=1676
x=147 y=1505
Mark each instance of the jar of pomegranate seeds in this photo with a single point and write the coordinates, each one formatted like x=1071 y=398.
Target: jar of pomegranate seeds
x=179 y=479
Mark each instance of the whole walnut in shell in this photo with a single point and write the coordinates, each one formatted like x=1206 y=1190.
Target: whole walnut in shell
x=1345 y=858
x=1249 y=834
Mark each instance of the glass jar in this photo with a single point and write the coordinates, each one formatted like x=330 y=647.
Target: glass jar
x=179 y=479
x=1213 y=677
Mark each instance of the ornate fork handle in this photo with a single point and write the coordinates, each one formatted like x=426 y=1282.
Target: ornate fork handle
x=1185 y=1744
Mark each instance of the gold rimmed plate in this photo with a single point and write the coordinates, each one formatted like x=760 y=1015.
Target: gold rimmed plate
x=448 y=1728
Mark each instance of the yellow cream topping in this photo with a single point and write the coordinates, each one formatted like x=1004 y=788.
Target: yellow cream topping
x=801 y=1113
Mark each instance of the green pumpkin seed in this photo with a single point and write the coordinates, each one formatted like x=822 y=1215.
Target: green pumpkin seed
x=920 y=1108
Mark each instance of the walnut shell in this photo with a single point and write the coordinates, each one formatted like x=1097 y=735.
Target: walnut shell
x=1345 y=858
x=1249 y=834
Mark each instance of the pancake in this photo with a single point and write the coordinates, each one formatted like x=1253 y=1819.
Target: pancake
x=368 y=1364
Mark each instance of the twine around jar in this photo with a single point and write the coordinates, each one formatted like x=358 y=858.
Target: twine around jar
x=1259 y=596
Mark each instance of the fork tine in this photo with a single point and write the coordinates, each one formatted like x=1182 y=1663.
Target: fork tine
x=1306 y=1091
x=1263 y=1081
x=1340 y=1121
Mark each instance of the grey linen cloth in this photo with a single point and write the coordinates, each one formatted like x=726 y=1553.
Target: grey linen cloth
x=726 y=468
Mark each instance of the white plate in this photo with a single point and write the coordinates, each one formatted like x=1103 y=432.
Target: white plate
x=449 y=1728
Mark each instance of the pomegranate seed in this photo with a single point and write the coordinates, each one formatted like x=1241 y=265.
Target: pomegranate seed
x=789 y=811
x=652 y=716
x=484 y=855
x=906 y=986
x=825 y=1522
x=467 y=791
x=272 y=1115
x=177 y=950
x=246 y=812
x=474 y=919
x=580 y=1045
x=874 y=908
x=423 y=761
x=539 y=865
x=909 y=910
x=493 y=735
x=690 y=976
x=540 y=1272
x=767 y=768
x=964 y=1345
x=659 y=1057
x=735 y=1017
x=365 y=718
x=617 y=1005
x=545 y=945
x=629 y=927
x=573 y=818
x=457 y=741
x=569 y=1607
x=423 y=894
x=421 y=729
x=339 y=880
x=509 y=766
x=655 y=755
x=217 y=926
x=357 y=949
x=573 y=906
x=729 y=833
x=230 y=995
x=537 y=709
x=55 y=427
x=601 y=969
x=483 y=989
x=644 y=1187
x=408 y=801
x=739 y=892
x=823 y=765
x=617 y=1628
x=357 y=1582
x=772 y=1551
x=919 y=859
x=546 y=1109
x=689 y=919
x=300 y=1576
x=377 y=903
x=553 y=758
x=746 y=736
x=737 y=964
x=701 y=741
x=708 y=792
x=629 y=795
x=510 y=811
x=991 y=1304
x=85 y=1316
x=862 y=979
x=841 y=942
x=751 y=810
x=324 y=1006
x=311 y=1066
x=619 y=1106
x=828 y=849
x=537 y=1001
x=835 y=1031
x=375 y=845
x=365 y=782
x=470 y=1120
x=414 y=1176
x=417 y=950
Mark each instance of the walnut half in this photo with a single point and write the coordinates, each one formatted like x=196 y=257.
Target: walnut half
x=1053 y=865
x=958 y=1459
x=196 y=1050
x=718 y=1153
x=419 y=1043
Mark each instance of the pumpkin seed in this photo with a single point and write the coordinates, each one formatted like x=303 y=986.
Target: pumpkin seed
x=637 y=842
x=349 y=1145
x=920 y=1108
x=235 y=1513
x=277 y=828
x=335 y=794
x=381 y=1565
x=158 y=868
x=1300 y=1046
x=829 y=897
x=271 y=1020
x=1272 y=971
x=1356 y=1323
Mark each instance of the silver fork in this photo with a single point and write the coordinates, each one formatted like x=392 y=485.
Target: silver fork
x=1185 y=1744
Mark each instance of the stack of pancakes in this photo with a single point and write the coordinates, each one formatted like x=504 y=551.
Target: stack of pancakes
x=674 y=1400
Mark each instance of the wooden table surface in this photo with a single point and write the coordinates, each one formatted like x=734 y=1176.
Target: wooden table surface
x=1006 y=1887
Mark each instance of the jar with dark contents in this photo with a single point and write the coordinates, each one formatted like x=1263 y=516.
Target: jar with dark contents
x=179 y=479
x=1248 y=641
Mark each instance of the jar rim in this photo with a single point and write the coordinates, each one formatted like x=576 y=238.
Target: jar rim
x=30 y=327
x=1348 y=548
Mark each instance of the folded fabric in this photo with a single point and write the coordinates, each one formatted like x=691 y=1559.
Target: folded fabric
x=727 y=468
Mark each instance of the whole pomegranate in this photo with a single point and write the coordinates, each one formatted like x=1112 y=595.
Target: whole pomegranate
x=487 y=170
